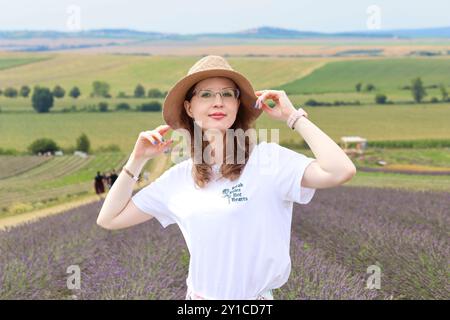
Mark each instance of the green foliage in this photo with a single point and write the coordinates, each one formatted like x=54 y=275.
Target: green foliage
x=10 y=92
x=103 y=106
x=139 y=91
x=42 y=99
x=380 y=98
x=24 y=91
x=75 y=92
x=154 y=106
x=100 y=89
x=43 y=145
x=58 y=92
x=83 y=143
x=417 y=89
x=155 y=93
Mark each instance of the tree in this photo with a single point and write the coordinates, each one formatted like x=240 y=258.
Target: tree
x=58 y=92
x=123 y=106
x=417 y=89
x=444 y=92
x=103 y=106
x=155 y=93
x=100 y=89
x=83 y=143
x=43 y=145
x=150 y=106
x=24 y=91
x=74 y=92
x=139 y=92
x=10 y=92
x=358 y=86
x=380 y=98
x=42 y=99
x=370 y=87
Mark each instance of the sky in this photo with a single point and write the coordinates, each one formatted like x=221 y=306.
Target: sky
x=201 y=16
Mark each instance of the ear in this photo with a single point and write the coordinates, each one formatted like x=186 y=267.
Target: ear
x=187 y=107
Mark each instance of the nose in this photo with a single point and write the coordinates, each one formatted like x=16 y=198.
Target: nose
x=218 y=101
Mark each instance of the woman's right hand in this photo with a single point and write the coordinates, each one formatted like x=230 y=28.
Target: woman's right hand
x=151 y=143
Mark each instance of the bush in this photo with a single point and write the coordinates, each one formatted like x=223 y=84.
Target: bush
x=10 y=92
x=311 y=102
x=122 y=106
x=24 y=91
x=155 y=93
x=42 y=99
x=103 y=106
x=139 y=91
x=370 y=87
x=417 y=89
x=58 y=92
x=100 y=89
x=434 y=100
x=75 y=92
x=435 y=143
x=380 y=98
x=83 y=143
x=358 y=86
x=11 y=152
x=150 y=106
x=43 y=145
x=122 y=95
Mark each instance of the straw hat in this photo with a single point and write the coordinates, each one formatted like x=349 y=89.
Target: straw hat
x=209 y=66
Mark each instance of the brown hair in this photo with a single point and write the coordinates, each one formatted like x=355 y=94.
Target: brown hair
x=202 y=172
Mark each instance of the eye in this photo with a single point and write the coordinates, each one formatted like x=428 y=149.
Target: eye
x=228 y=93
x=205 y=94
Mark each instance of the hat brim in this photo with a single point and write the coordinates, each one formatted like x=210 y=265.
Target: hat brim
x=174 y=101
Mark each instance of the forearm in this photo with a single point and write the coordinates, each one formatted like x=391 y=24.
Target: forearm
x=120 y=193
x=329 y=155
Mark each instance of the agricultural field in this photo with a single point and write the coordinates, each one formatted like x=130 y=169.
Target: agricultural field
x=335 y=239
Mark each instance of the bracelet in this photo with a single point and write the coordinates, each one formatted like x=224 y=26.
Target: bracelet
x=297 y=114
x=130 y=174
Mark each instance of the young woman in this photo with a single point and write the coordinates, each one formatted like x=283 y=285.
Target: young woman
x=235 y=214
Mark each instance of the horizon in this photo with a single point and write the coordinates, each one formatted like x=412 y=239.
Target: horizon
x=197 y=18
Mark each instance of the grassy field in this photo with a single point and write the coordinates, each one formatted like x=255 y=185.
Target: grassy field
x=322 y=79
x=389 y=75
x=374 y=122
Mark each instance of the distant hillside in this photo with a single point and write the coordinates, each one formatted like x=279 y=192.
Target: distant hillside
x=264 y=32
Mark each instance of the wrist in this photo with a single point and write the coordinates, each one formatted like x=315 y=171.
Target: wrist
x=295 y=116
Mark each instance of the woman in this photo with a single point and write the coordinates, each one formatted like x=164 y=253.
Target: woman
x=98 y=184
x=235 y=215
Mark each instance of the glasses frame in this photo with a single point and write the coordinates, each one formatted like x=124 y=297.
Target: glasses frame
x=237 y=92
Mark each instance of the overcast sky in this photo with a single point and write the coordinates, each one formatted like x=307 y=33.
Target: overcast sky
x=199 y=16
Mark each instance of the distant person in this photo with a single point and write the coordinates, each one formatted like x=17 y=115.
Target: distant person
x=107 y=180
x=99 y=186
x=113 y=177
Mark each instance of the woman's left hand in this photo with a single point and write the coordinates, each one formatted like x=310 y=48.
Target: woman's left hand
x=283 y=106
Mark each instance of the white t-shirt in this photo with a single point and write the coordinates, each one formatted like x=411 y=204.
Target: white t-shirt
x=237 y=232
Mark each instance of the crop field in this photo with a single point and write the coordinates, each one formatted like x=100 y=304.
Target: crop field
x=335 y=239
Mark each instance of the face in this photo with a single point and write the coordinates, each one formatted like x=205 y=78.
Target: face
x=203 y=110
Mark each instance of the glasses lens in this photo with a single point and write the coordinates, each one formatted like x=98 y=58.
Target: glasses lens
x=227 y=95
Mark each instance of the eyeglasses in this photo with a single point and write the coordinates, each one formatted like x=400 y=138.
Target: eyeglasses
x=227 y=95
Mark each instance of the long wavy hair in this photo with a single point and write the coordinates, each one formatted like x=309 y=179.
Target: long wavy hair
x=202 y=172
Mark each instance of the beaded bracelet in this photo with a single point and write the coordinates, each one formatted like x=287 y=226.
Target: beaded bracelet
x=297 y=114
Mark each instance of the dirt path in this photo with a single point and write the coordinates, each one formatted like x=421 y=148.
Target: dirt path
x=34 y=215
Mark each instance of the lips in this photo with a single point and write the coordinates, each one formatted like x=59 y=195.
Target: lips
x=217 y=115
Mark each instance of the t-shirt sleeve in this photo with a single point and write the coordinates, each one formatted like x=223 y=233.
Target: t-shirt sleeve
x=154 y=198
x=289 y=169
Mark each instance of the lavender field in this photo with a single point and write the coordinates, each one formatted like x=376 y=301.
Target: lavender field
x=335 y=239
